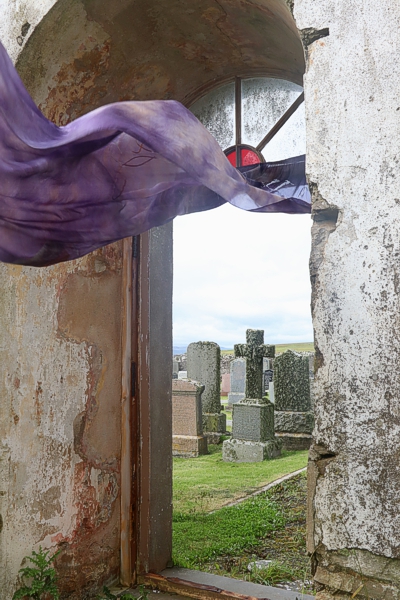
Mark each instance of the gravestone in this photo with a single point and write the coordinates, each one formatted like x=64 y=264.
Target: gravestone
x=175 y=368
x=238 y=380
x=311 y=358
x=268 y=378
x=253 y=437
x=182 y=375
x=267 y=364
x=188 y=440
x=294 y=417
x=225 y=384
x=203 y=364
x=271 y=392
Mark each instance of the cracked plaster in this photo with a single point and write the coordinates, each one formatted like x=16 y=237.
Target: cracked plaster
x=352 y=113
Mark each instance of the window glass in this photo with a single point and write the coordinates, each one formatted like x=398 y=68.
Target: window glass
x=216 y=111
x=290 y=139
x=264 y=101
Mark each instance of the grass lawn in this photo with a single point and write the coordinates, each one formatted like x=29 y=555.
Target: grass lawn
x=200 y=537
x=303 y=347
x=207 y=483
x=284 y=546
x=270 y=526
x=279 y=348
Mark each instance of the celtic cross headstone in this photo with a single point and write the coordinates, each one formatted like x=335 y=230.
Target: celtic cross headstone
x=253 y=437
x=254 y=351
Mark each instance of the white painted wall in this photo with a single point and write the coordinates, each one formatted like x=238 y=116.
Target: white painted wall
x=353 y=135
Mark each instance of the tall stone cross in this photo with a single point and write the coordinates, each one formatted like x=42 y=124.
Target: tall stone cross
x=254 y=352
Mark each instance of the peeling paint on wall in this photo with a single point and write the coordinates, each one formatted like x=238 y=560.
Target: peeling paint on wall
x=59 y=464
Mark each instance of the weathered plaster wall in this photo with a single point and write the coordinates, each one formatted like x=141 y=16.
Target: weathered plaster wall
x=142 y=49
x=59 y=417
x=353 y=133
x=18 y=20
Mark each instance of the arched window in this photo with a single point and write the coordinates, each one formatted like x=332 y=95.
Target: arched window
x=255 y=120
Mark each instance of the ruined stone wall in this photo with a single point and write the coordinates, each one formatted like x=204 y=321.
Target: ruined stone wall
x=353 y=131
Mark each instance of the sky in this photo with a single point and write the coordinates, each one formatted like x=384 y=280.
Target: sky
x=235 y=270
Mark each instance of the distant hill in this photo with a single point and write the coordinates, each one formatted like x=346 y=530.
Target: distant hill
x=179 y=349
x=182 y=349
x=279 y=348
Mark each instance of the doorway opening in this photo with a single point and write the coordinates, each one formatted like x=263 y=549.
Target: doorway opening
x=235 y=270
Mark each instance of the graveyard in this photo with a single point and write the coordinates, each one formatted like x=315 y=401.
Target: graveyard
x=242 y=423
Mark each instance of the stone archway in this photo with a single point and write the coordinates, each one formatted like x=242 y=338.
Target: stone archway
x=98 y=472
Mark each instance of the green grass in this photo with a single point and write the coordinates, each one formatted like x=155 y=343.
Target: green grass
x=279 y=348
x=269 y=525
x=207 y=483
x=198 y=538
x=303 y=347
x=228 y=418
x=285 y=547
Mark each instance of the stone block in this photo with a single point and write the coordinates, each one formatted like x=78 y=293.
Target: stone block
x=271 y=392
x=186 y=408
x=175 y=367
x=204 y=366
x=187 y=446
x=225 y=384
x=294 y=441
x=214 y=422
x=292 y=382
x=235 y=397
x=294 y=422
x=213 y=438
x=245 y=451
x=238 y=380
x=253 y=422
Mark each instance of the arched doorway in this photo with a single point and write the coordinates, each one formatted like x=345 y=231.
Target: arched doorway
x=102 y=325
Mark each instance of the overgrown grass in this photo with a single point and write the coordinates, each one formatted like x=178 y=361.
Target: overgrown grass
x=207 y=483
x=201 y=537
x=270 y=526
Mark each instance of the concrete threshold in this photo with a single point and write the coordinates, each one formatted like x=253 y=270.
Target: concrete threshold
x=206 y=586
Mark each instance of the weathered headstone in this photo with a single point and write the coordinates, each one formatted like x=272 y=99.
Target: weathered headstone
x=268 y=378
x=253 y=437
x=175 y=368
x=187 y=431
x=311 y=358
x=267 y=364
x=203 y=363
x=238 y=380
x=271 y=392
x=267 y=368
x=294 y=418
x=225 y=384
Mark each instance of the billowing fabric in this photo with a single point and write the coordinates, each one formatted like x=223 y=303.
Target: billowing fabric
x=116 y=172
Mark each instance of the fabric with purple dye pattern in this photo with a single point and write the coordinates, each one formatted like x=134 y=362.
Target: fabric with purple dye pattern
x=116 y=172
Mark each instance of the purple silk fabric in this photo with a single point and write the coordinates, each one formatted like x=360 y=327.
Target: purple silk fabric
x=116 y=172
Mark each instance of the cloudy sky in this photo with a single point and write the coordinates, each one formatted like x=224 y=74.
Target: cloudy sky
x=234 y=270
